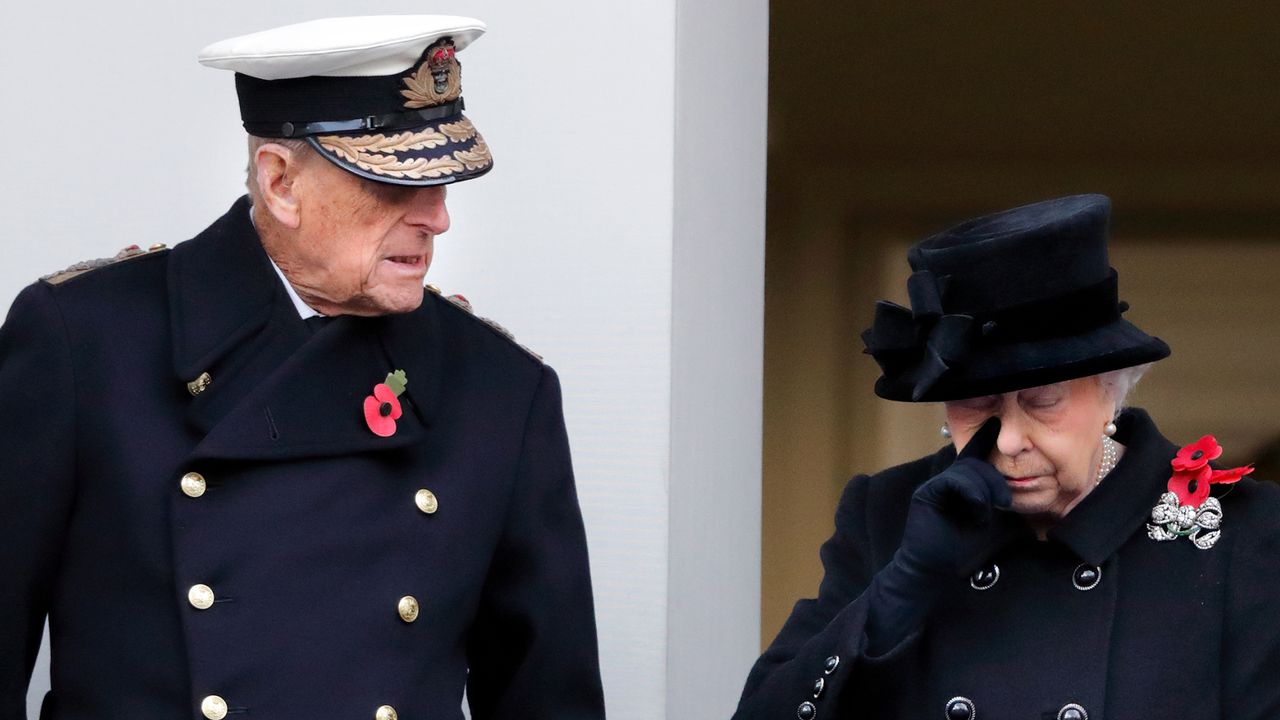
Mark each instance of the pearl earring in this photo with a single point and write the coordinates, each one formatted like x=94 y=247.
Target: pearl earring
x=1109 y=430
x=945 y=431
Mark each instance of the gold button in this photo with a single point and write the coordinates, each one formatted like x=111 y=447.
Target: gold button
x=408 y=608
x=200 y=384
x=386 y=712
x=432 y=287
x=193 y=484
x=157 y=246
x=214 y=707
x=200 y=597
x=426 y=501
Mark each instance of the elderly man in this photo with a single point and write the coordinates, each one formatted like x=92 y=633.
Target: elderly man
x=259 y=475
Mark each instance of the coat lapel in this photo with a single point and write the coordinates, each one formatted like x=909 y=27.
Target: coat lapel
x=312 y=404
x=244 y=367
x=414 y=342
x=222 y=291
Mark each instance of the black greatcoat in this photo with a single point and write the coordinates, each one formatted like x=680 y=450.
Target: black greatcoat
x=308 y=533
x=1168 y=631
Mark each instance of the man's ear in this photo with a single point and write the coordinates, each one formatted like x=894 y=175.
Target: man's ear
x=278 y=169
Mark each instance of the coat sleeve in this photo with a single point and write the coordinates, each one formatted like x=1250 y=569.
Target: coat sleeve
x=1251 y=643
x=533 y=647
x=37 y=465
x=818 y=667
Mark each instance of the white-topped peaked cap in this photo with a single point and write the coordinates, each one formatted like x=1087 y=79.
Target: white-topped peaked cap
x=339 y=47
x=379 y=96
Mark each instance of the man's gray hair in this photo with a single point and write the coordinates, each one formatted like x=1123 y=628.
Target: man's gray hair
x=1119 y=383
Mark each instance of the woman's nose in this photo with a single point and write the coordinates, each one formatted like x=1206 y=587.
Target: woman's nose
x=1013 y=436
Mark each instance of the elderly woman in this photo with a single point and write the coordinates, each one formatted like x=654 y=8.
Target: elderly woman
x=1059 y=559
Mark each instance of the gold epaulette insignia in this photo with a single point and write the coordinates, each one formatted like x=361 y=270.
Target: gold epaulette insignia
x=80 y=268
x=464 y=304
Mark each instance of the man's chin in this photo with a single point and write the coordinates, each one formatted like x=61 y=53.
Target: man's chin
x=398 y=303
x=402 y=303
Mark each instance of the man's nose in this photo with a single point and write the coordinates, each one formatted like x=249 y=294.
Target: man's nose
x=428 y=210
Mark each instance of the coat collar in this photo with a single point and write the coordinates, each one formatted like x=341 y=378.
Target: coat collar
x=222 y=290
x=279 y=391
x=1120 y=505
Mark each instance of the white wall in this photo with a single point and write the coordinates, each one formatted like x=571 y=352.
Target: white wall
x=620 y=235
x=717 y=353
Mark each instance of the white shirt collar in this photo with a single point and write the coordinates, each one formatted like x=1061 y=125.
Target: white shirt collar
x=304 y=310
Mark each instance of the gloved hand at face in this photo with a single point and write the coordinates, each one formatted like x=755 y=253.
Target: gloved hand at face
x=956 y=520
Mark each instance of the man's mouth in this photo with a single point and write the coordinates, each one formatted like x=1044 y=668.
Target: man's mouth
x=406 y=259
x=415 y=264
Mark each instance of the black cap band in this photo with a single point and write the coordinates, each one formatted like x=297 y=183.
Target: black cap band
x=389 y=121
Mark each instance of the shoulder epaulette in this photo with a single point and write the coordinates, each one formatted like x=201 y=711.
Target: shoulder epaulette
x=80 y=268
x=464 y=304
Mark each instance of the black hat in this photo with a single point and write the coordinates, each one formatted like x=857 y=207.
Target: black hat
x=378 y=96
x=1013 y=300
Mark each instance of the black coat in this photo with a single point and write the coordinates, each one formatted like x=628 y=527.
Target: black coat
x=1166 y=631
x=309 y=531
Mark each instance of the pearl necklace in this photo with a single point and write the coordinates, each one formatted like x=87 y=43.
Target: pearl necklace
x=1109 y=456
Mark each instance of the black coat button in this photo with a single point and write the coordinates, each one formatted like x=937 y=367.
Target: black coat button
x=960 y=708
x=818 y=688
x=1072 y=711
x=806 y=711
x=1086 y=576
x=985 y=578
x=832 y=663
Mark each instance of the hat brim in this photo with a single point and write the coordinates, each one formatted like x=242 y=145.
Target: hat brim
x=445 y=151
x=1017 y=366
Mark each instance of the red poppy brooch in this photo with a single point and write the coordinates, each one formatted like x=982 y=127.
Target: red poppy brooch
x=1186 y=510
x=382 y=408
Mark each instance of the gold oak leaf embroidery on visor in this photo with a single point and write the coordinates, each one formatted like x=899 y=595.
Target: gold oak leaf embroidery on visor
x=352 y=147
x=369 y=153
x=414 y=168
x=475 y=158
x=460 y=131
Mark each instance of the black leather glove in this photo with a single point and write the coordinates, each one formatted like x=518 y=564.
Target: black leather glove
x=955 y=522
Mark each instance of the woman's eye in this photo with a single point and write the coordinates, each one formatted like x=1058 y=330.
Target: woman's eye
x=972 y=407
x=1042 y=402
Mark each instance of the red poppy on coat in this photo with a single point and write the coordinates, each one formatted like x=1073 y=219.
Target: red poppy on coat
x=381 y=410
x=1197 y=454
x=1225 y=477
x=1191 y=487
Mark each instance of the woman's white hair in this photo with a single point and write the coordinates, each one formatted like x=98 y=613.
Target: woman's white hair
x=1119 y=383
